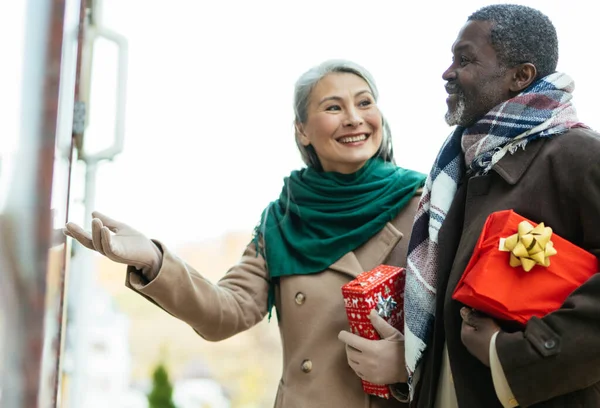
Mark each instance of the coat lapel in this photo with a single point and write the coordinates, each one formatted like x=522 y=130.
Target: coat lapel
x=512 y=166
x=347 y=264
x=369 y=255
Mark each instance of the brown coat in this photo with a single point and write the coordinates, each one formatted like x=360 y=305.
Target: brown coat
x=555 y=361
x=311 y=308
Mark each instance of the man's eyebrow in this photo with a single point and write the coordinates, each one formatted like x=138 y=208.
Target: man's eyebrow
x=338 y=98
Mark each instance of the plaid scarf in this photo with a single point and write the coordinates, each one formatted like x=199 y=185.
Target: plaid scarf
x=542 y=110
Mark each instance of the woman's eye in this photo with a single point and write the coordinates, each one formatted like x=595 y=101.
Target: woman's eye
x=365 y=102
x=333 y=108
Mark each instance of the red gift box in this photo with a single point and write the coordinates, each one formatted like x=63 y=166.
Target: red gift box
x=381 y=288
x=491 y=285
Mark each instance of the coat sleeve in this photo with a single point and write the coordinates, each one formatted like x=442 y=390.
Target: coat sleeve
x=215 y=311
x=560 y=353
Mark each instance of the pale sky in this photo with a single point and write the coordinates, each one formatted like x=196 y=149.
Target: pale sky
x=209 y=95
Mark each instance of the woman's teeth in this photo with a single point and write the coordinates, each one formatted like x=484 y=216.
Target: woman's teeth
x=352 y=139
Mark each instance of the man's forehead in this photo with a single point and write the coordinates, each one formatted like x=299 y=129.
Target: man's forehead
x=473 y=34
x=463 y=46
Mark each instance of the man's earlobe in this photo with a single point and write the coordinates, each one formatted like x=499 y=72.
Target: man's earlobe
x=524 y=76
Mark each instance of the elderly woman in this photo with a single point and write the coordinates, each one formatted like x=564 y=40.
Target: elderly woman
x=348 y=211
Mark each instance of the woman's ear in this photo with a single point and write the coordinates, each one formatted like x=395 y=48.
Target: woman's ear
x=300 y=135
x=523 y=76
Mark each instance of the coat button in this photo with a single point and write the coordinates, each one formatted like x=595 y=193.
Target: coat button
x=550 y=344
x=300 y=298
x=306 y=366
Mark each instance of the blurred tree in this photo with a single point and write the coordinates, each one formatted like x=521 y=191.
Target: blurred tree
x=162 y=390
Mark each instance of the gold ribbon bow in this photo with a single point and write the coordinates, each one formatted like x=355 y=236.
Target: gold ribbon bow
x=529 y=246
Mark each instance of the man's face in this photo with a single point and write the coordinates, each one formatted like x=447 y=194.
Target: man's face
x=475 y=81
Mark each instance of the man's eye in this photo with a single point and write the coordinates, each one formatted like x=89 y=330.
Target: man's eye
x=333 y=108
x=463 y=60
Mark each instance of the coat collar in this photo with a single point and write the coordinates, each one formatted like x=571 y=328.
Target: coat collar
x=370 y=254
x=512 y=166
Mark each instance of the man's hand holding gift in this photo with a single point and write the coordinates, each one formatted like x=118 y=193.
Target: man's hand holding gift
x=477 y=332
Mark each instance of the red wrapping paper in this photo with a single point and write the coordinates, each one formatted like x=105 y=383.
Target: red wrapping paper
x=379 y=289
x=490 y=285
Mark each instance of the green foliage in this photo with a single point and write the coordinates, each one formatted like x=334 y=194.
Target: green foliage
x=162 y=390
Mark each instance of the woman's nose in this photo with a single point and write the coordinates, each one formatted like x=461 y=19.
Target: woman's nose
x=353 y=118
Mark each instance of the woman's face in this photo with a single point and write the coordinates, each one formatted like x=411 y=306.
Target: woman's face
x=343 y=125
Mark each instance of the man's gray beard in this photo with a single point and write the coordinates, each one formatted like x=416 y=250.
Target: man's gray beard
x=456 y=117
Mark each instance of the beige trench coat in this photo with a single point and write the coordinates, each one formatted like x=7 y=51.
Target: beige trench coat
x=311 y=310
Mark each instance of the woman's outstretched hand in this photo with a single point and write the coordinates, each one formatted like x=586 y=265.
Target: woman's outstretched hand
x=119 y=242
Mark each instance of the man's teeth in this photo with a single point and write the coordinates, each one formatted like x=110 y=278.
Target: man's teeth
x=353 y=139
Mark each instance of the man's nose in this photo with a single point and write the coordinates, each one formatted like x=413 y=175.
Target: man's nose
x=449 y=74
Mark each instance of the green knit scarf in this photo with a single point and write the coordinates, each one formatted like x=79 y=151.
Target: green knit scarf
x=321 y=216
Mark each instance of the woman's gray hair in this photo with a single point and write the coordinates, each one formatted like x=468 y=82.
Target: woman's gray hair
x=303 y=89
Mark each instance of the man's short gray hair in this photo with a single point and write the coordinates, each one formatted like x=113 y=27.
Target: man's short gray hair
x=521 y=34
x=302 y=92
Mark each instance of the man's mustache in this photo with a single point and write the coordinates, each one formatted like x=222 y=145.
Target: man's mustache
x=452 y=88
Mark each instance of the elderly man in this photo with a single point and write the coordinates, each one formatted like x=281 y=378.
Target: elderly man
x=518 y=144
